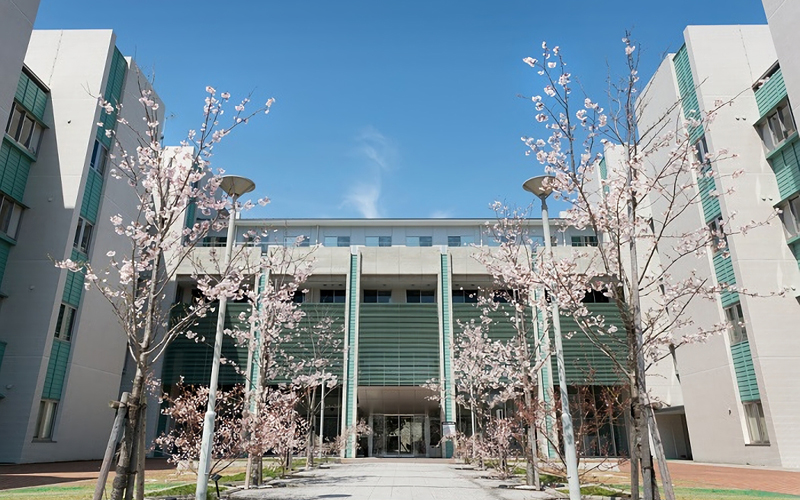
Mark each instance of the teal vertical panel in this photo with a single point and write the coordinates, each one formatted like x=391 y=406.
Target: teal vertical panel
x=56 y=369
x=31 y=96
x=771 y=93
x=92 y=194
x=5 y=248
x=191 y=208
x=709 y=202
x=351 y=389
x=785 y=162
x=745 y=372
x=723 y=269
x=73 y=287
x=112 y=94
x=447 y=347
x=688 y=91
x=2 y=352
x=14 y=169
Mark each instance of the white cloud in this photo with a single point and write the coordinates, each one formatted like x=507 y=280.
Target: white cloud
x=378 y=153
x=441 y=214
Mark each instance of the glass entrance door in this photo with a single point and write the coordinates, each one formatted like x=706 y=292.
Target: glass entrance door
x=398 y=435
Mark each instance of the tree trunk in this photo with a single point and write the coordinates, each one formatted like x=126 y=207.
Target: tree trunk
x=312 y=431
x=141 y=451
x=633 y=445
x=122 y=474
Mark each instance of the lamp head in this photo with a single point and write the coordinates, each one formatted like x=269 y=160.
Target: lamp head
x=236 y=186
x=541 y=185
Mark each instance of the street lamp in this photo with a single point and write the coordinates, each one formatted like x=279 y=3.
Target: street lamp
x=541 y=187
x=235 y=187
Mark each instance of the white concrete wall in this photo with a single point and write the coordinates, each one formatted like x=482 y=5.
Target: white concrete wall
x=16 y=24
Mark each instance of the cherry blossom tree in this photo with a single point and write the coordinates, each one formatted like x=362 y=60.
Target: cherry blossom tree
x=186 y=411
x=166 y=183
x=640 y=204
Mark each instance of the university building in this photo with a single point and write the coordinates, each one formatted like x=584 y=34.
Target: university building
x=62 y=350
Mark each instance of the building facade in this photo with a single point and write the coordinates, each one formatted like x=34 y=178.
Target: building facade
x=62 y=348
x=739 y=390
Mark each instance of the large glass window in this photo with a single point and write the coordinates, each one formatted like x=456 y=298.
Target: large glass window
x=332 y=296
x=46 y=419
x=337 y=241
x=465 y=296
x=460 y=241
x=379 y=241
x=23 y=128
x=756 y=423
x=10 y=214
x=65 y=323
x=300 y=241
x=377 y=296
x=83 y=235
x=420 y=296
x=737 y=330
x=584 y=241
x=419 y=241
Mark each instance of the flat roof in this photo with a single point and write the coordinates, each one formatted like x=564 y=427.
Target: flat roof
x=433 y=222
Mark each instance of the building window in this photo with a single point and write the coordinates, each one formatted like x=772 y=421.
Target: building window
x=596 y=297
x=337 y=241
x=299 y=297
x=777 y=126
x=460 y=241
x=379 y=241
x=332 y=296
x=420 y=296
x=99 y=157
x=737 y=330
x=83 y=235
x=756 y=424
x=300 y=241
x=419 y=241
x=790 y=216
x=584 y=241
x=465 y=296
x=23 y=128
x=10 y=214
x=65 y=323
x=46 y=419
x=377 y=296
x=718 y=238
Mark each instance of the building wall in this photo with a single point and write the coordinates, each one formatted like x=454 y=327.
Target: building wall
x=16 y=24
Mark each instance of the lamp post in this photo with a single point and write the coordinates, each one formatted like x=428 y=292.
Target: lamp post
x=541 y=187
x=235 y=187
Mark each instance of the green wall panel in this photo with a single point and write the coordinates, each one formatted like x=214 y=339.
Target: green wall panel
x=112 y=94
x=688 y=91
x=5 y=248
x=92 y=194
x=584 y=362
x=723 y=269
x=447 y=338
x=14 y=168
x=192 y=360
x=768 y=96
x=398 y=344
x=73 y=287
x=785 y=162
x=709 y=202
x=352 y=335
x=31 y=96
x=56 y=369
x=2 y=352
x=745 y=372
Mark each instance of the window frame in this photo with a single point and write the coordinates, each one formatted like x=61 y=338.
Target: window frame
x=93 y=164
x=755 y=422
x=775 y=127
x=737 y=333
x=66 y=318
x=10 y=216
x=46 y=420
x=83 y=236
x=377 y=296
x=464 y=296
x=584 y=240
x=334 y=295
x=29 y=140
x=421 y=294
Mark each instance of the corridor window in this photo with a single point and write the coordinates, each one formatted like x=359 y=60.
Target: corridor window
x=790 y=216
x=465 y=296
x=460 y=241
x=377 y=296
x=737 y=331
x=420 y=296
x=756 y=423
x=584 y=241
x=83 y=235
x=379 y=241
x=10 y=214
x=332 y=296
x=46 y=419
x=718 y=239
x=777 y=126
x=24 y=129
x=299 y=241
x=337 y=241
x=99 y=156
x=65 y=322
x=419 y=241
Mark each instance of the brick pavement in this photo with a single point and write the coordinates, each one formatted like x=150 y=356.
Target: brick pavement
x=696 y=475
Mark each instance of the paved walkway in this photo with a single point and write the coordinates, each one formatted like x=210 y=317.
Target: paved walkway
x=382 y=480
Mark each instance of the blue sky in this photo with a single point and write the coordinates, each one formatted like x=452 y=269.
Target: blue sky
x=384 y=109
